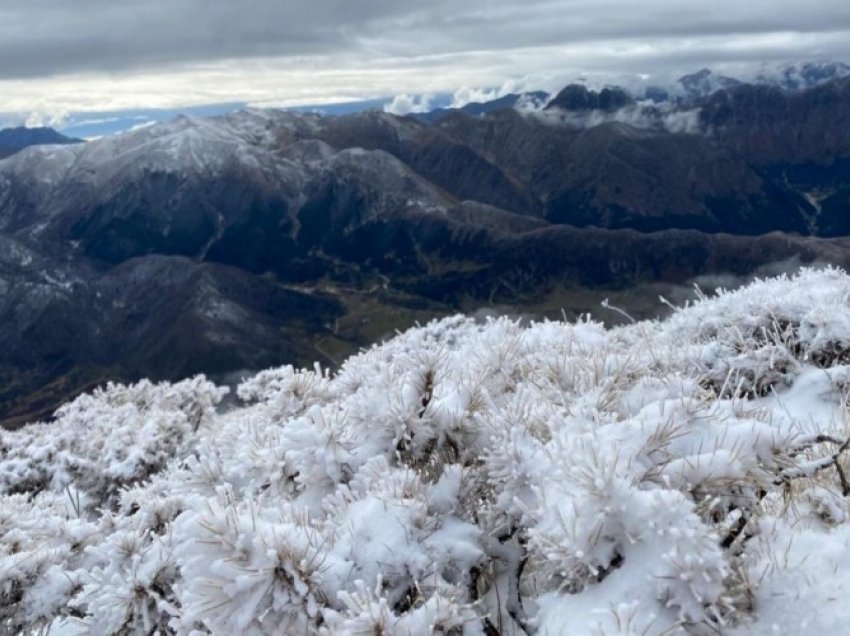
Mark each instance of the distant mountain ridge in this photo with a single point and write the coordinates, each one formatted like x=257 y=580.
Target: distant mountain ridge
x=13 y=140
x=532 y=100
x=790 y=76
x=794 y=77
x=579 y=96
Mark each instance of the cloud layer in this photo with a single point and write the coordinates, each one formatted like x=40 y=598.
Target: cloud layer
x=102 y=54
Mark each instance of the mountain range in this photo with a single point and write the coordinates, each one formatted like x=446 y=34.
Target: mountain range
x=14 y=140
x=239 y=242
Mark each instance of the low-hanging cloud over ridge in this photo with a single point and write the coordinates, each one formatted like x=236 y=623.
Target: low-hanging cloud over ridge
x=104 y=55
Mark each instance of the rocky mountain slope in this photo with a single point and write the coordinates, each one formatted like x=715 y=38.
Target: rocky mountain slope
x=302 y=237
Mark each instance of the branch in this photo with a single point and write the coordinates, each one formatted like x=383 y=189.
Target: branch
x=514 y=559
x=814 y=467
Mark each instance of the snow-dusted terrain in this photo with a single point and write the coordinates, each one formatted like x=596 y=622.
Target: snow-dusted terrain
x=681 y=477
x=43 y=188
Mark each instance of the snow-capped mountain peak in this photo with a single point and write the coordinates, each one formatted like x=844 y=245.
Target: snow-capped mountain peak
x=705 y=82
x=801 y=75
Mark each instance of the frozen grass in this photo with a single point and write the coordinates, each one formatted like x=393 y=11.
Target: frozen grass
x=677 y=477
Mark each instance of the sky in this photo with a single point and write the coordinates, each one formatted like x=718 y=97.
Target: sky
x=59 y=57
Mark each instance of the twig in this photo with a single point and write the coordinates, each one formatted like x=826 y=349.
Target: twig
x=825 y=462
x=514 y=558
x=607 y=305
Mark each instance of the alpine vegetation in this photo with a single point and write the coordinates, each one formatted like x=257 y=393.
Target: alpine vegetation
x=687 y=476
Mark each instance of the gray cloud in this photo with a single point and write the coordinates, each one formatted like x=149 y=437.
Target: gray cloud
x=357 y=47
x=48 y=37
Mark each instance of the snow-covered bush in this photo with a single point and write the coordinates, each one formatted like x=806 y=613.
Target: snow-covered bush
x=114 y=437
x=686 y=476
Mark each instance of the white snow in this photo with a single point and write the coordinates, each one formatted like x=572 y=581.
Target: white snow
x=675 y=477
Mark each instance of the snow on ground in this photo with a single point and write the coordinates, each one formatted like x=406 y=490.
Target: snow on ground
x=679 y=477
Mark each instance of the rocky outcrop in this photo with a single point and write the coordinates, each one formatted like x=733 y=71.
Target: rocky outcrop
x=577 y=98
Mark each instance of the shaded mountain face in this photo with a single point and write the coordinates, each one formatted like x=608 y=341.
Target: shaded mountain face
x=768 y=125
x=615 y=176
x=704 y=82
x=67 y=323
x=798 y=139
x=13 y=140
x=577 y=97
x=265 y=237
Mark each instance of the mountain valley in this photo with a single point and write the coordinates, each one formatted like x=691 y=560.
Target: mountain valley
x=234 y=243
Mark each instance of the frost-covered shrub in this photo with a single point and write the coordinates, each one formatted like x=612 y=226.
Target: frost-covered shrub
x=130 y=591
x=673 y=477
x=116 y=436
x=287 y=391
x=752 y=339
x=249 y=571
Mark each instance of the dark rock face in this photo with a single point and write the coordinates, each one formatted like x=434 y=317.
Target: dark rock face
x=247 y=241
x=577 y=98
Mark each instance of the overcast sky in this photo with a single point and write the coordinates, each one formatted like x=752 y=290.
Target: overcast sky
x=60 y=55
